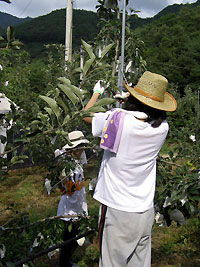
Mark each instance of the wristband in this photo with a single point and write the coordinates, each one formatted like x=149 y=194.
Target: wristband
x=97 y=91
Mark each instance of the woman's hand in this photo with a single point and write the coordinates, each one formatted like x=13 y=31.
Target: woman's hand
x=98 y=88
x=97 y=91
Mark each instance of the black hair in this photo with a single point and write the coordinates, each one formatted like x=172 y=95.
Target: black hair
x=155 y=116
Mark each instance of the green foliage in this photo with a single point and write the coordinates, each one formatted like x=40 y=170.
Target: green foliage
x=178 y=174
x=26 y=81
x=66 y=102
x=111 y=33
x=10 y=42
x=183 y=241
x=22 y=242
x=171 y=46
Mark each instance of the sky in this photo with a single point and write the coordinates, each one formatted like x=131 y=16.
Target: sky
x=35 y=8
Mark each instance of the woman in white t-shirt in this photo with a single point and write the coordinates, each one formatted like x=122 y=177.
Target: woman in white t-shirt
x=131 y=138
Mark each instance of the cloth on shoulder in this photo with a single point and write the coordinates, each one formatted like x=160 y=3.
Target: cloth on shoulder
x=112 y=131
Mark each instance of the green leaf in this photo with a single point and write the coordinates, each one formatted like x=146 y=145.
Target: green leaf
x=62 y=104
x=88 y=48
x=68 y=92
x=102 y=66
x=17 y=43
x=48 y=110
x=84 y=92
x=70 y=227
x=52 y=103
x=104 y=101
x=35 y=122
x=87 y=65
x=66 y=119
x=17 y=159
x=65 y=80
x=78 y=69
x=57 y=92
x=106 y=50
x=77 y=91
x=96 y=109
x=10 y=33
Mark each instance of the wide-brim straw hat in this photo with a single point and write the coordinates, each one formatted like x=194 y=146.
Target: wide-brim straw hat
x=151 y=90
x=76 y=138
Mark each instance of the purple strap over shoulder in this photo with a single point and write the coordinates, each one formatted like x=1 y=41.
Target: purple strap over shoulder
x=112 y=131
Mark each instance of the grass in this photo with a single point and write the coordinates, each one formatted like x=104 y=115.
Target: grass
x=176 y=246
x=23 y=191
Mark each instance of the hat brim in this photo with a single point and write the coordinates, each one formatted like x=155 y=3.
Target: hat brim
x=76 y=143
x=168 y=104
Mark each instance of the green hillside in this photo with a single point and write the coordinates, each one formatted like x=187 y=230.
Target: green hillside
x=171 y=9
x=172 y=45
x=51 y=28
x=9 y=20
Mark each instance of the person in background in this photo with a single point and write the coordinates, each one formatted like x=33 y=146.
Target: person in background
x=131 y=138
x=5 y=108
x=73 y=199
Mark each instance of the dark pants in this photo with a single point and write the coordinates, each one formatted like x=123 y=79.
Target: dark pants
x=67 y=251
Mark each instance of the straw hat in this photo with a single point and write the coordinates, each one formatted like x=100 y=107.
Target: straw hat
x=151 y=90
x=76 y=138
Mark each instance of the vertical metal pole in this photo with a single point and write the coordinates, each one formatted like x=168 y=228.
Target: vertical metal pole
x=81 y=62
x=198 y=117
x=68 y=34
x=121 y=63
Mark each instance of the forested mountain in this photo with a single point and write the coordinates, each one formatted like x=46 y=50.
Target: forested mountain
x=171 y=38
x=9 y=20
x=171 y=45
x=172 y=9
x=51 y=28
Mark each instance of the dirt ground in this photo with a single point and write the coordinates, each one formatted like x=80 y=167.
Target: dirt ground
x=23 y=190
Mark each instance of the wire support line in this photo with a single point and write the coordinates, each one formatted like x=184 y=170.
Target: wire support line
x=29 y=3
x=74 y=4
x=45 y=251
x=44 y=220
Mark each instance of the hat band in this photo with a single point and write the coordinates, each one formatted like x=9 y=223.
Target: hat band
x=138 y=90
x=77 y=139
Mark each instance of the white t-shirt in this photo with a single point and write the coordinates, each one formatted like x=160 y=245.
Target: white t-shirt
x=76 y=203
x=127 y=179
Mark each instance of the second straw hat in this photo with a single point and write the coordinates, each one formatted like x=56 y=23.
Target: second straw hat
x=76 y=138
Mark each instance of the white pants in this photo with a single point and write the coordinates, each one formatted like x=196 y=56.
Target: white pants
x=125 y=238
